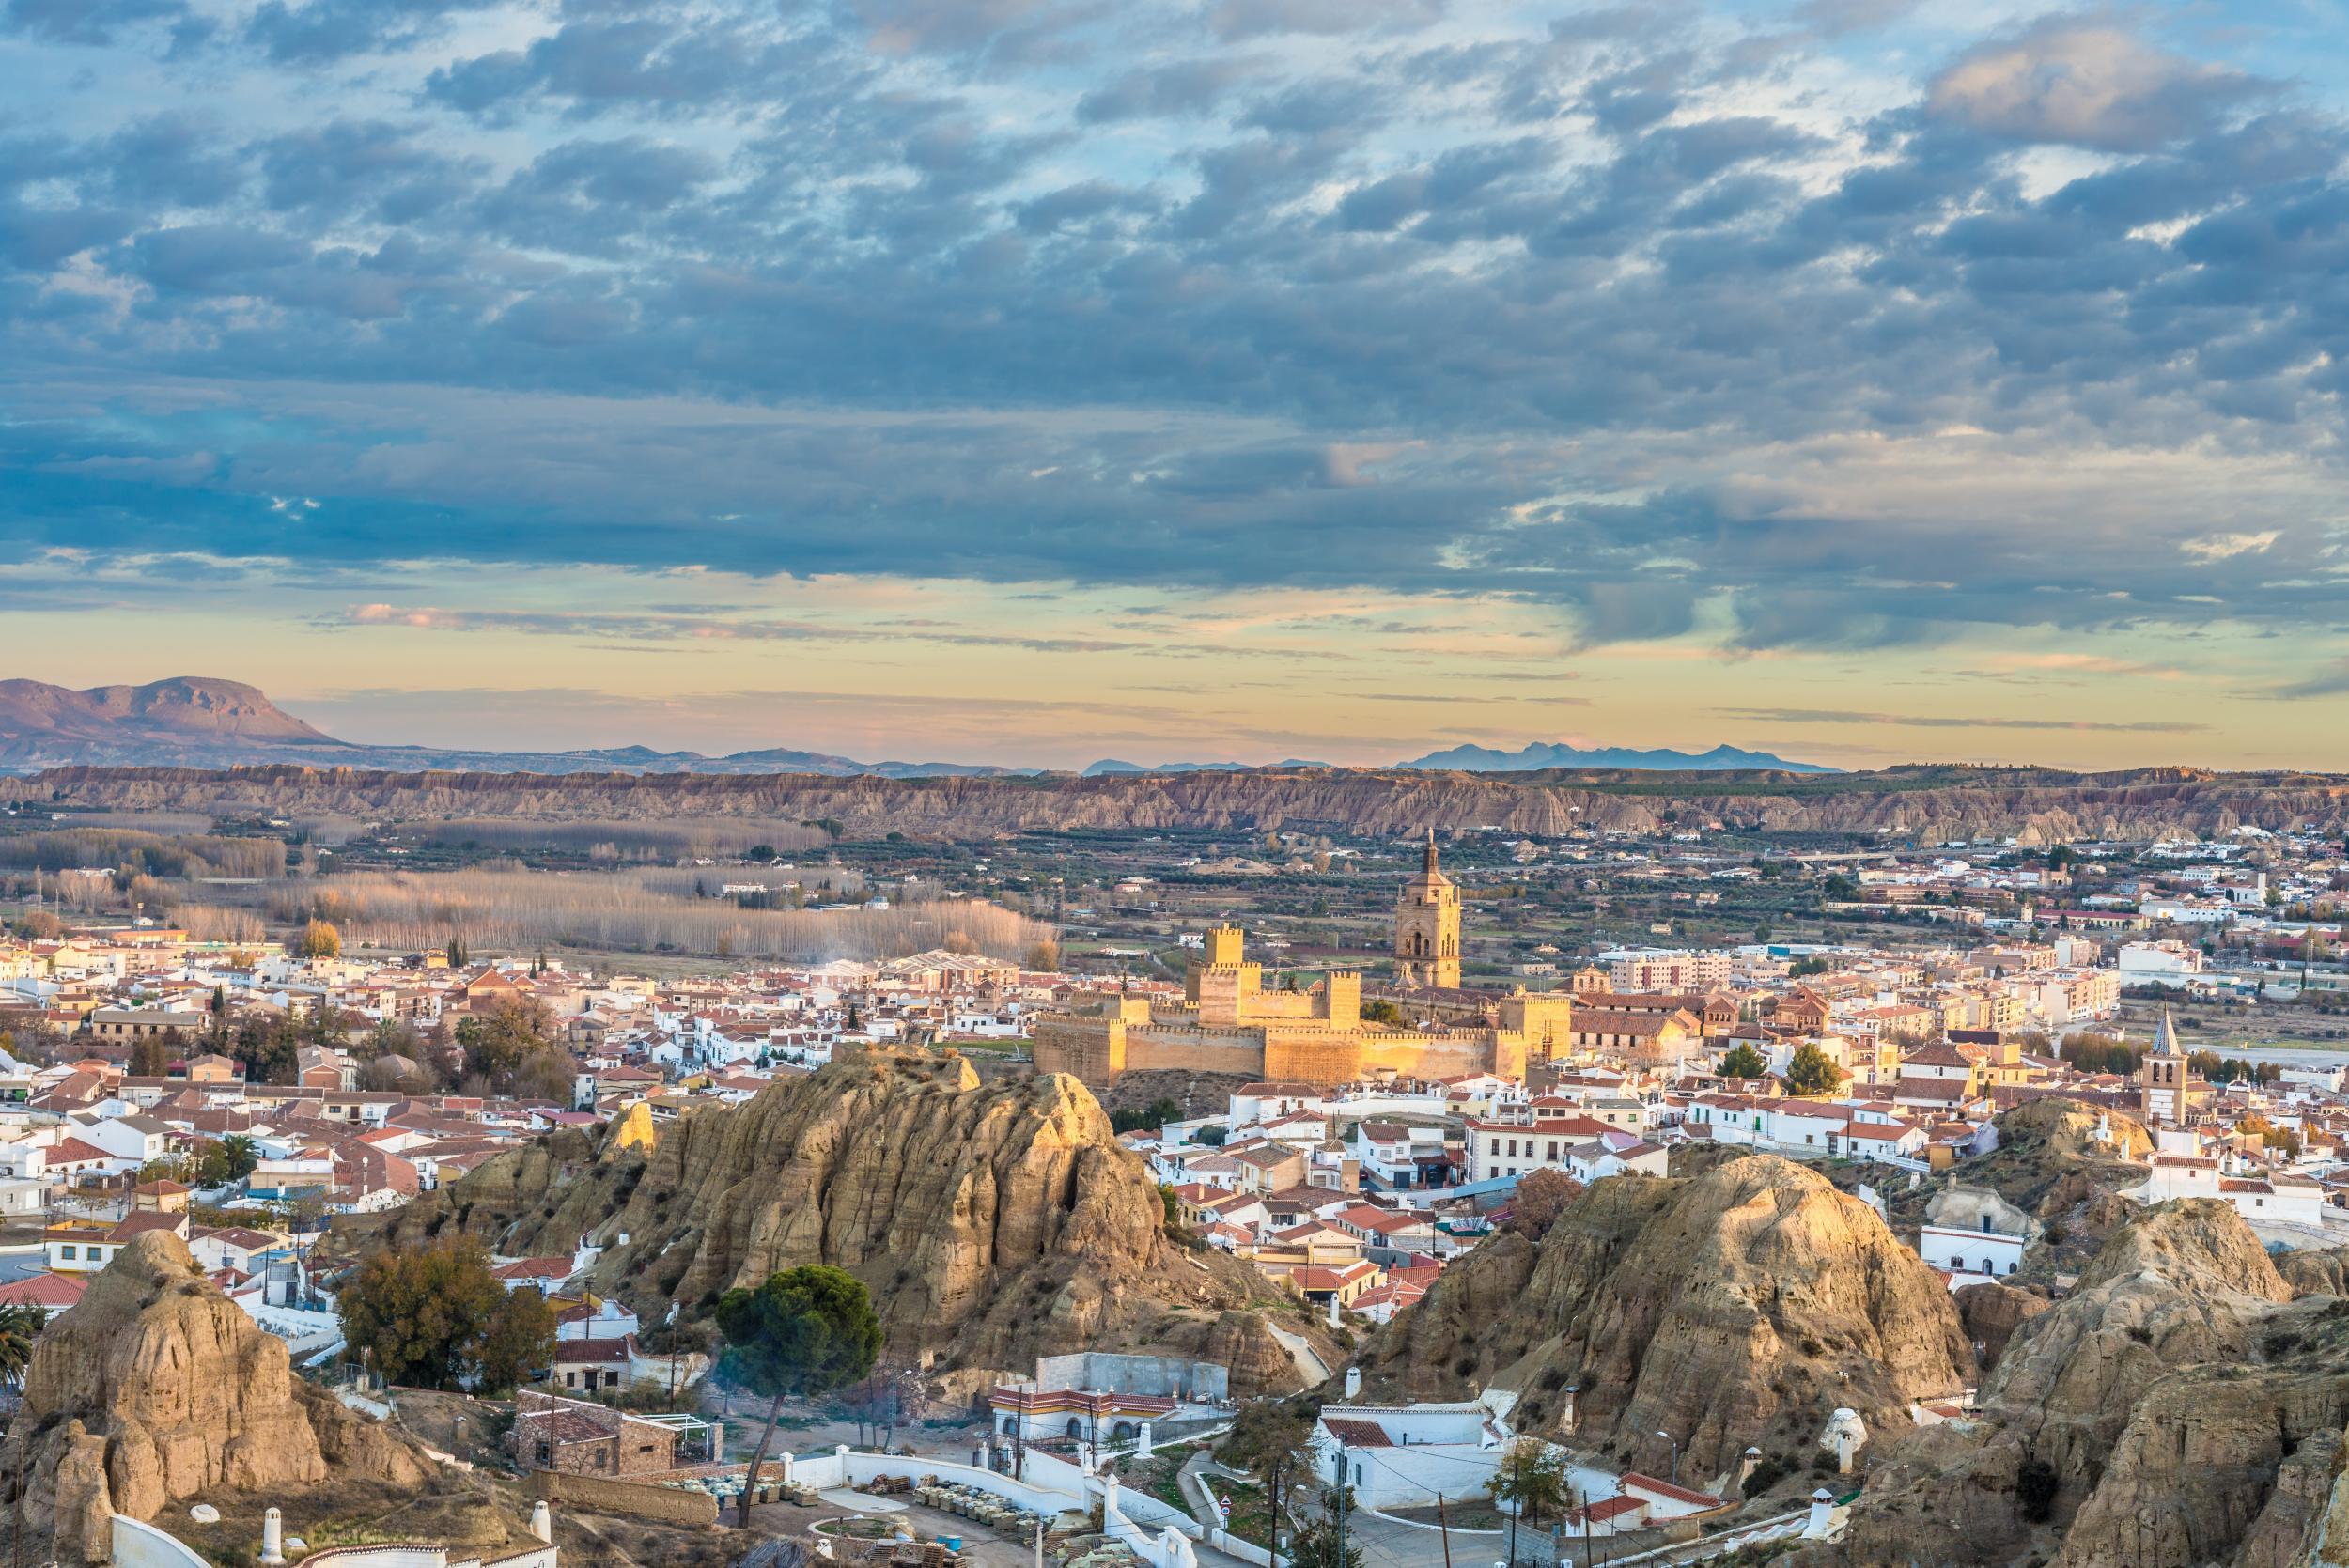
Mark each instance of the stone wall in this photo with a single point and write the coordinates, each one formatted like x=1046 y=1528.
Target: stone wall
x=1089 y=1050
x=633 y=1499
x=1157 y=1376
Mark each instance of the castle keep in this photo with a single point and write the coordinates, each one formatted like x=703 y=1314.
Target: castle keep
x=1227 y=1022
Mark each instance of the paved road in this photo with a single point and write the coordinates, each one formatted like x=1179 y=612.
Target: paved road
x=1309 y=1362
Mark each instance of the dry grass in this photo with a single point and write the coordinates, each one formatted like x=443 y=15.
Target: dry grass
x=637 y=911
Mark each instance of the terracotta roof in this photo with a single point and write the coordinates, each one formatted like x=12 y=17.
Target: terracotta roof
x=1667 y=1489
x=1356 y=1432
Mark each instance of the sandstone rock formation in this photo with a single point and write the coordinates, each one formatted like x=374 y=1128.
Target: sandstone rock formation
x=2316 y=1272
x=156 y=1389
x=992 y=1221
x=2178 y=1408
x=2055 y=1176
x=1991 y=1312
x=2034 y=805
x=1738 y=1307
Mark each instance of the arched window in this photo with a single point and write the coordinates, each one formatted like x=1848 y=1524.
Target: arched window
x=1076 y=1427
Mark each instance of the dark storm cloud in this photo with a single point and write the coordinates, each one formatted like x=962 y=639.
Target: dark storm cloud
x=1587 y=316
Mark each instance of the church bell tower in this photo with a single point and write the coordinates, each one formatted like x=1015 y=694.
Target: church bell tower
x=1427 y=927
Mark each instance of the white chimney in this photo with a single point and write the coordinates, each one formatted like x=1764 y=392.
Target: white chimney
x=1353 y=1382
x=272 y=1538
x=542 y=1521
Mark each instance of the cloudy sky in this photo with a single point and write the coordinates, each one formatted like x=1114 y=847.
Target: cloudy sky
x=1041 y=380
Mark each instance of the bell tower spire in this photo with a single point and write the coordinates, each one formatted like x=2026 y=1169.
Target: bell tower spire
x=1427 y=927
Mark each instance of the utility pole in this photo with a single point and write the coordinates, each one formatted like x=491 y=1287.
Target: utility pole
x=1341 y=1503
x=1516 y=1503
x=1444 y=1524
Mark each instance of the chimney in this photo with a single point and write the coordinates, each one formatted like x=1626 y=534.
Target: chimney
x=272 y=1538
x=1353 y=1383
x=1821 y=1515
x=542 y=1521
x=1746 y=1465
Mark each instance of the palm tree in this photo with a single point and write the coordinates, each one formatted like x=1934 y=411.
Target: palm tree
x=20 y=1326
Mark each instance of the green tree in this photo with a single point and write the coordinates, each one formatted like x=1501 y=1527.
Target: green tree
x=807 y=1330
x=230 y=1159
x=1323 y=1544
x=1743 y=1061
x=516 y=1340
x=1273 y=1440
x=150 y=1057
x=20 y=1325
x=1811 y=1073
x=1533 y=1479
x=1146 y=1118
x=320 y=940
x=435 y=1316
x=497 y=1042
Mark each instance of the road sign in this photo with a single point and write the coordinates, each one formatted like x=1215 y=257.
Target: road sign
x=1225 y=1504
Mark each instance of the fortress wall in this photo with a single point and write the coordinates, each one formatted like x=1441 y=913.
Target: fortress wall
x=1092 y=1051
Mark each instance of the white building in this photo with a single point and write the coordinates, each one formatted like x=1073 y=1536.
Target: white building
x=1970 y=1256
x=2157 y=963
x=2261 y=1198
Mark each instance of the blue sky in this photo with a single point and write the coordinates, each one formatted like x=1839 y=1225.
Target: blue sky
x=1033 y=377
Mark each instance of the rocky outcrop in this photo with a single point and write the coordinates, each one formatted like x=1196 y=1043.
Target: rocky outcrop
x=2178 y=1408
x=992 y=1221
x=2034 y=805
x=2316 y=1272
x=155 y=1387
x=1738 y=1307
x=1991 y=1312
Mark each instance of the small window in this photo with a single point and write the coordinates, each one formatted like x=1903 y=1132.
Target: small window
x=66 y=1253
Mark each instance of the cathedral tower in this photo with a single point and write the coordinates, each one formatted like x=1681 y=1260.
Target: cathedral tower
x=1427 y=927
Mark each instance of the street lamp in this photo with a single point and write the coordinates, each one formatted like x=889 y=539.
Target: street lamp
x=1676 y=1443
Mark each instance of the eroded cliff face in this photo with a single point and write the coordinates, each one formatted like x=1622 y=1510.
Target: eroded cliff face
x=2178 y=1408
x=991 y=1221
x=1736 y=1308
x=155 y=1389
x=2034 y=805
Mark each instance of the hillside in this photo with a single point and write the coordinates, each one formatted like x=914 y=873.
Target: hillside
x=993 y=1221
x=1923 y=804
x=2178 y=1408
x=156 y=1389
x=1738 y=1307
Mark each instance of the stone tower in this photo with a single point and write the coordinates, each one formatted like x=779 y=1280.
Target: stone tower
x=2164 y=1079
x=1427 y=927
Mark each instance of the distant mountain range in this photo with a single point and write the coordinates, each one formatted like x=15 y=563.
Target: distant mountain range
x=1538 y=756
x=200 y=721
